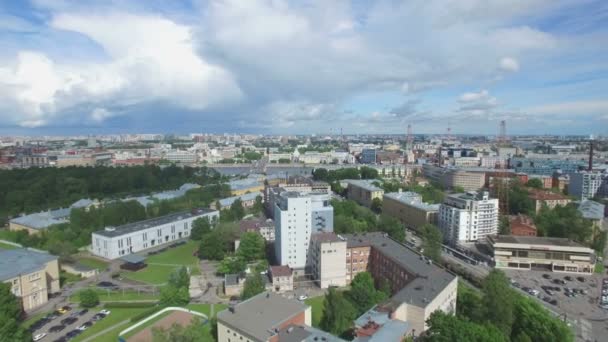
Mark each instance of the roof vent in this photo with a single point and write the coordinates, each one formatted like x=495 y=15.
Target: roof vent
x=110 y=228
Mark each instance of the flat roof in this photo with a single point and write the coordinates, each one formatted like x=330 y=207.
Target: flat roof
x=43 y=219
x=366 y=184
x=412 y=199
x=157 y=221
x=326 y=237
x=14 y=262
x=429 y=281
x=258 y=316
x=303 y=333
x=246 y=197
x=592 y=210
x=536 y=240
x=133 y=258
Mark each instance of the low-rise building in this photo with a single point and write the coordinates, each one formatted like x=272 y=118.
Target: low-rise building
x=533 y=252
x=587 y=185
x=522 y=225
x=363 y=191
x=33 y=275
x=262 y=227
x=327 y=259
x=418 y=286
x=548 y=198
x=408 y=208
x=376 y=325
x=233 y=285
x=79 y=270
x=450 y=177
x=281 y=278
x=261 y=318
x=247 y=200
x=593 y=211
x=115 y=242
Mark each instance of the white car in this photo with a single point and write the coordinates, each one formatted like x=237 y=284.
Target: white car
x=302 y=297
x=105 y=312
x=39 y=337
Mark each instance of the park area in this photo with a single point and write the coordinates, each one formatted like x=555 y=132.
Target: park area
x=165 y=322
x=316 y=308
x=161 y=265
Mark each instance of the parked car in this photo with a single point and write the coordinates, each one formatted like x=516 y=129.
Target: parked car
x=106 y=284
x=581 y=279
x=547 y=276
x=39 y=337
x=69 y=320
x=568 y=278
x=82 y=312
x=105 y=312
x=85 y=326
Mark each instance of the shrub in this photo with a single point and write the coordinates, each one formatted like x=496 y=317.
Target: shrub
x=88 y=298
x=119 y=305
x=146 y=313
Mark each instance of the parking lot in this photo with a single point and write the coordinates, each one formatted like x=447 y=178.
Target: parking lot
x=574 y=297
x=58 y=327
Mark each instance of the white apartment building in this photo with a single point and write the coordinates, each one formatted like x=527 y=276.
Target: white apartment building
x=293 y=228
x=587 y=185
x=468 y=217
x=178 y=156
x=116 y=242
x=328 y=259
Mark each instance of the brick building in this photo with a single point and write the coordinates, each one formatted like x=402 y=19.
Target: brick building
x=522 y=225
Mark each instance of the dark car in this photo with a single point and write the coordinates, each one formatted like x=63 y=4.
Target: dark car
x=553 y=301
x=69 y=320
x=61 y=339
x=581 y=279
x=82 y=312
x=106 y=284
x=98 y=317
x=56 y=328
x=547 y=276
x=568 y=278
x=73 y=333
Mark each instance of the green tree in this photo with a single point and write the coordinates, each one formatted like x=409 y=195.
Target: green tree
x=180 y=277
x=231 y=265
x=362 y=294
x=385 y=287
x=258 y=206
x=320 y=174
x=252 y=247
x=11 y=317
x=237 y=210
x=174 y=296
x=458 y=189
x=88 y=298
x=392 y=227
x=200 y=227
x=193 y=332
x=534 y=323
x=504 y=226
x=444 y=327
x=211 y=246
x=338 y=313
x=564 y=222
x=368 y=173
x=376 y=205
x=534 y=183
x=519 y=200
x=469 y=304
x=431 y=241
x=254 y=284
x=498 y=301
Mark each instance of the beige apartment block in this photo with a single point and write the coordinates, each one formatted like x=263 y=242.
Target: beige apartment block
x=363 y=191
x=33 y=275
x=328 y=259
x=408 y=208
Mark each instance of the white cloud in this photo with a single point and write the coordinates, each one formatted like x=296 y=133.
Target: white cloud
x=509 y=64
x=583 y=107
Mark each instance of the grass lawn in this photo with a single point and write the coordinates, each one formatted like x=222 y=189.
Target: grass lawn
x=160 y=266
x=67 y=278
x=316 y=306
x=116 y=316
x=31 y=320
x=117 y=296
x=599 y=267
x=7 y=246
x=93 y=263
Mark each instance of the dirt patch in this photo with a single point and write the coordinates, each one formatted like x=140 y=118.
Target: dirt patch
x=179 y=317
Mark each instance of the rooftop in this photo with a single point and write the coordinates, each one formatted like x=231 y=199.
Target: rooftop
x=280 y=271
x=43 y=219
x=302 y=333
x=326 y=237
x=536 y=240
x=157 y=221
x=133 y=258
x=259 y=316
x=541 y=195
x=14 y=262
x=591 y=210
x=226 y=202
x=366 y=184
x=412 y=199
x=429 y=280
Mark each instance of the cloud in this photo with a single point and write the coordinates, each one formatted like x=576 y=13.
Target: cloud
x=509 y=64
x=583 y=107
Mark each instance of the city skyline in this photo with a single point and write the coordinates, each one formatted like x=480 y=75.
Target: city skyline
x=286 y=67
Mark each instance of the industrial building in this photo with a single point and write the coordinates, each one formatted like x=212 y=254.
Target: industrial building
x=541 y=253
x=468 y=217
x=448 y=177
x=116 y=242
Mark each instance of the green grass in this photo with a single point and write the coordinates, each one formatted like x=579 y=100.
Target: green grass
x=599 y=268
x=68 y=278
x=116 y=316
x=31 y=320
x=316 y=306
x=93 y=263
x=7 y=246
x=160 y=266
x=117 y=296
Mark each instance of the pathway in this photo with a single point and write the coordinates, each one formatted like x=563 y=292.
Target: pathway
x=106 y=330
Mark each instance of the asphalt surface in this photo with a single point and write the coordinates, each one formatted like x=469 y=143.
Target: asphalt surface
x=53 y=336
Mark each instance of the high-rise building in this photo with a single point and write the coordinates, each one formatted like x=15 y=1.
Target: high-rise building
x=585 y=185
x=468 y=217
x=298 y=215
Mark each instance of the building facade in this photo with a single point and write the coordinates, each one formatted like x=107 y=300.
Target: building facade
x=293 y=228
x=408 y=208
x=522 y=225
x=541 y=253
x=33 y=275
x=328 y=260
x=547 y=198
x=281 y=278
x=115 y=242
x=468 y=217
x=363 y=191
x=587 y=185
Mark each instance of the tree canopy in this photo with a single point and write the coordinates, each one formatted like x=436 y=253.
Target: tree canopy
x=431 y=241
x=88 y=298
x=254 y=284
x=200 y=227
x=11 y=314
x=193 y=332
x=338 y=313
x=446 y=328
x=252 y=247
x=362 y=294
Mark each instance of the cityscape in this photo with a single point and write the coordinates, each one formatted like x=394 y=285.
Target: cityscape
x=290 y=171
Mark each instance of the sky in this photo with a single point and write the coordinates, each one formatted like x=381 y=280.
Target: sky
x=303 y=67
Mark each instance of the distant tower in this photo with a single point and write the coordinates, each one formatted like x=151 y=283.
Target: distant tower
x=502 y=181
x=449 y=131
x=409 y=142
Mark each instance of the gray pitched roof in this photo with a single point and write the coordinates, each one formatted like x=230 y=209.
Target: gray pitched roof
x=14 y=262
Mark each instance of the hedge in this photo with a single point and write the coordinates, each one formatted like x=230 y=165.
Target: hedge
x=146 y=313
x=118 y=305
